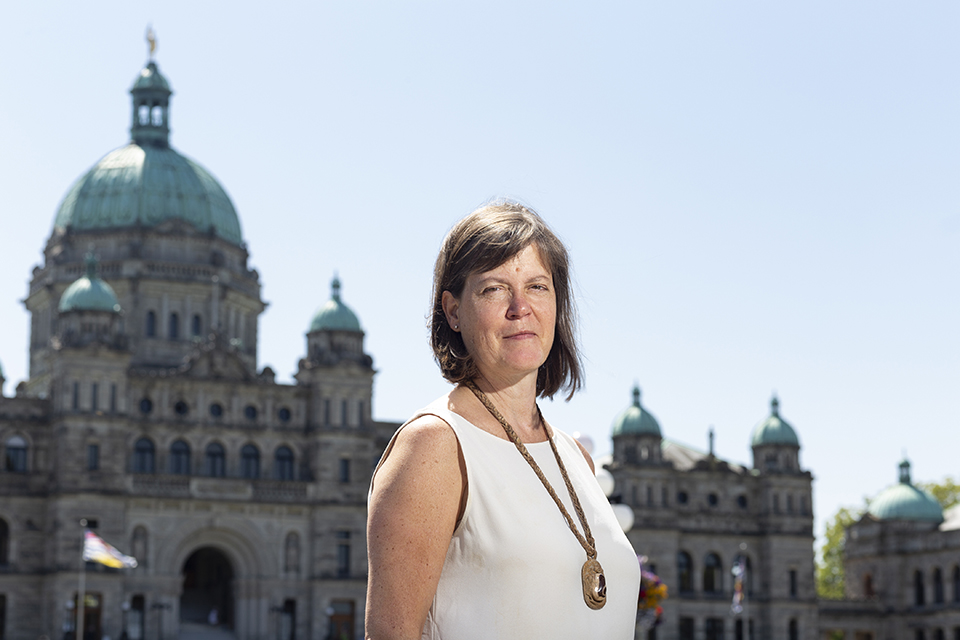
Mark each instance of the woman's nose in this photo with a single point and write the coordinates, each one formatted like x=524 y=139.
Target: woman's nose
x=519 y=306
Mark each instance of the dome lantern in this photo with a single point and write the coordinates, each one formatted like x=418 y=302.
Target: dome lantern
x=89 y=292
x=151 y=108
x=904 y=501
x=774 y=430
x=335 y=315
x=635 y=420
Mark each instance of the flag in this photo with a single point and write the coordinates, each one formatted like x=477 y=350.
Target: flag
x=96 y=550
x=739 y=570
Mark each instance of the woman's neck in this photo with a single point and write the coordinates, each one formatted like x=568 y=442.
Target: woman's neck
x=517 y=402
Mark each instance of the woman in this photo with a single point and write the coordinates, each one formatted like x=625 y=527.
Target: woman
x=484 y=521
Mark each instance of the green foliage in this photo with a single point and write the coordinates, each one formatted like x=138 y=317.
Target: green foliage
x=947 y=492
x=830 y=574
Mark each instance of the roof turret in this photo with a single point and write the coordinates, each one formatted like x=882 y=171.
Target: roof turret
x=635 y=420
x=334 y=315
x=904 y=501
x=774 y=430
x=89 y=292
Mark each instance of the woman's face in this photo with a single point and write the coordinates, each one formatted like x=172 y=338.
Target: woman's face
x=507 y=316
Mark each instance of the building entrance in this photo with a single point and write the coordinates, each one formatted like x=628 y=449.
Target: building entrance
x=207 y=596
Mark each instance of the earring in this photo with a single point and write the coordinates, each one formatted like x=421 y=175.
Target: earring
x=456 y=327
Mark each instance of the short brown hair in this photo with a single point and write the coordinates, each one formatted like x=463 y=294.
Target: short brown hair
x=482 y=241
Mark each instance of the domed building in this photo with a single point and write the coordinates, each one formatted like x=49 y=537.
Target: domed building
x=146 y=415
x=697 y=517
x=902 y=568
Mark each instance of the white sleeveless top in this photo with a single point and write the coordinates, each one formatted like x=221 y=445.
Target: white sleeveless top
x=512 y=570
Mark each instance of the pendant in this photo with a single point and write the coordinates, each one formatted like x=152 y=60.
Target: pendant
x=594 y=584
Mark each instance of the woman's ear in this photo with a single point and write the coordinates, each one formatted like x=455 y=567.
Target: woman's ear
x=451 y=309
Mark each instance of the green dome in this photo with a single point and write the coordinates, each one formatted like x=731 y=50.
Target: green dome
x=774 y=430
x=903 y=501
x=334 y=315
x=147 y=186
x=635 y=420
x=89 y=293
x=146 y=182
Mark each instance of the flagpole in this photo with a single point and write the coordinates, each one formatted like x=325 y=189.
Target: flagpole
x=81 y=596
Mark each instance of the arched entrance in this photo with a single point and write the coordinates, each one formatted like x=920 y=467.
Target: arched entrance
x=207 y=586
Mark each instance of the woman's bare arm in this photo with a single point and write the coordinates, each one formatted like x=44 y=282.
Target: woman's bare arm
x=413 y=511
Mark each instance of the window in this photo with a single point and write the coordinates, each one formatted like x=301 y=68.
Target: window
x=344 y=470
x=216 y=460
x=284 y=414
x=135 y=618
x=93 y=457
x=776 y=503
x=250 y=412
x=156 y=116
x=738 y=630
x=146 y=406
x=793 y=629
x=180 y=458
x=742 y=502
x=343 y=554
x=713 y=500
x=138 y=545
x=789 y=503
x=714 y=629
x=113 y=398
x=919 y=634
x=360 y=414
x=747 y=573
x=195 y=325
x=649 y=496
x=326 y=411
x=75 y=401
x=94 y=392
x=663 y=497
x=868 y=586
x=291 y=553
x=181 y=408
x=288 y=620
x=681 y=497
x=174 y=332
x=686 y=628
x=343 y=413
x=685 y=572
x=3 y=617
x=216 y=410
x=4 y=542
x=793 y=583
x=712 y=574
x=249 y=461
x=143 y=456
x=937 y=586
x=956 y=585
x=938 y=635
x=283 y=464
x=803 y=505
x=919 y=597
x=151 y=327
x=16 y=455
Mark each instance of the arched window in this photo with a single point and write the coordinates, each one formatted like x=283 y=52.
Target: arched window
x=143 y=114
x=174 y=326
x=249 y=461
x=868 y=591
x=180 y=458
x=195 y=325
x=919 y=598
x=138 y=546
x=283 y=464
x=291 y=553
x=685 y=572
x=938 y=635
x=712 y=574
x=16 y=455
x=156 y=116
x=956 y=584
x=793 y=630
x=143 y=456
x=937 y=586
x=4 y=543
x=216 y=460
x=151 y=328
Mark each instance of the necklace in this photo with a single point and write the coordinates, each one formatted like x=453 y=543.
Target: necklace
x=594 y=583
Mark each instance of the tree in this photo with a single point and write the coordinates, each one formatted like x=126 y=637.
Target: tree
x=947 y=492
x=830 y=574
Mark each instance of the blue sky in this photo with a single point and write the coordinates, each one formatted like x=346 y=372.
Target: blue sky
x=757 y=196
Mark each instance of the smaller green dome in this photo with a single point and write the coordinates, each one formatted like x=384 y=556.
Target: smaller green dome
x=903 y=501
x=89 y=292
x=151 y=78
x=334 y=315
x=774 y=430
x=635 y=420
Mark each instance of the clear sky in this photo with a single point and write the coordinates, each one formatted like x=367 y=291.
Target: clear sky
x=758 y=196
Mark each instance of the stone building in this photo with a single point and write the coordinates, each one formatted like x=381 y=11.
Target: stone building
x=697 y=516
x=902 y=567
x=146 y=415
